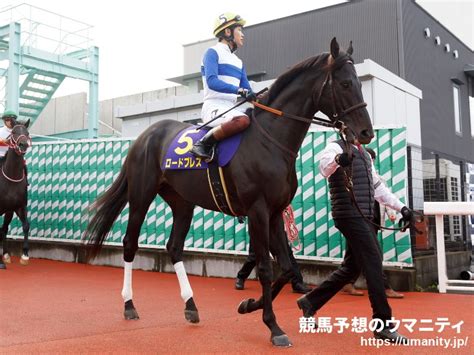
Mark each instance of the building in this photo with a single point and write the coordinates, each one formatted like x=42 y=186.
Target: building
x=402 y=38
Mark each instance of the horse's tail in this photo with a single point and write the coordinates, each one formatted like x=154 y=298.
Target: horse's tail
x=107 y=208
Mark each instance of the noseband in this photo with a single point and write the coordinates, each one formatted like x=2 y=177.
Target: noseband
x=14 y=142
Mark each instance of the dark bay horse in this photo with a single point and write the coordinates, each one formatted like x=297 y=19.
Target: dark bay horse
x=261 y=178
x=13 y=187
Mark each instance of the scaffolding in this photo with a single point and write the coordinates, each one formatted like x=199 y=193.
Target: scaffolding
x=38 y=50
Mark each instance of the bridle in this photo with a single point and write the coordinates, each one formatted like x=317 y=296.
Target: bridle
x=338 y=112
x=14 y=143
x=337 y=123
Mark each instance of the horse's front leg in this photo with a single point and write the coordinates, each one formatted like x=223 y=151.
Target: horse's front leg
x=21 y=213
x=279 y=248
x=259 y=229
x=280 y=251
x=3 y=235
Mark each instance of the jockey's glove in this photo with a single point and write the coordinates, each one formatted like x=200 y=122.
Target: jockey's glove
x=247 y=94
x=343 y=160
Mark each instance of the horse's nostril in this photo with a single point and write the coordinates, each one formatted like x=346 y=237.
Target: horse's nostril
x=366 y=133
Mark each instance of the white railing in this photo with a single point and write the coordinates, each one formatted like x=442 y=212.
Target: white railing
x=440 y=209
x=47 y=30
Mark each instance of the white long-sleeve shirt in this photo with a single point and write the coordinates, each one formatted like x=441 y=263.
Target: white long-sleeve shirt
x=328 y=165
x=4 y=134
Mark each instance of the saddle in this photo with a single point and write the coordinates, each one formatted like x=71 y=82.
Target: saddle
x=179 y=157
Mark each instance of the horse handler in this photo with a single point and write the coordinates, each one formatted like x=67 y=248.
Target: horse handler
x=362 y=252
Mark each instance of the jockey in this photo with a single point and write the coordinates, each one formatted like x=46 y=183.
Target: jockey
x=224 y=80
x=9 y=120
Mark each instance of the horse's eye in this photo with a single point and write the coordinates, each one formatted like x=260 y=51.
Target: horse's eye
x=346 y=84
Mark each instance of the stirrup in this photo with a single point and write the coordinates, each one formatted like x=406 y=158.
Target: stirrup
x=212 y=155
x=204 y=152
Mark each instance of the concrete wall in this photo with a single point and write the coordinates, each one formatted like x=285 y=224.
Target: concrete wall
x=69 y=113
x=196 y=263
x=427 y=267
x=391 y=101
x=227 y=265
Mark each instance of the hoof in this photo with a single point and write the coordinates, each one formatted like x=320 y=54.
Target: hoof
x=130 y=311
x=244 y=306
x=2 y=266
x=191 y=316
x=24 y=260
x=282 y=341
x=7 y=259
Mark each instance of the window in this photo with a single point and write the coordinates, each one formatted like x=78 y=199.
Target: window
x=457 y=109
x=431 y=192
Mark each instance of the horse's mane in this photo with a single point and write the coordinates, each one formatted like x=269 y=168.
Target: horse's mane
x=287 y=77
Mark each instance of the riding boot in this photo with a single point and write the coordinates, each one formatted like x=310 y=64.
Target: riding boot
x=204 y=148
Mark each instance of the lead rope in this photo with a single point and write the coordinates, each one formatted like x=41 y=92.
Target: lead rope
x=291 y=229
x=349 y=187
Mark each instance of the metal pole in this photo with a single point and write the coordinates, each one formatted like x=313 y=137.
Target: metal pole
x=13 y=79
x=465 y=230
x=438 y=179
x=410 y=198
x=410 y=178
x=93 y=115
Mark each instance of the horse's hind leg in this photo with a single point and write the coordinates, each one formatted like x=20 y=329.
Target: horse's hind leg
x=182 y=217
x=21 y=213
x=138 y=206
x=3 y=236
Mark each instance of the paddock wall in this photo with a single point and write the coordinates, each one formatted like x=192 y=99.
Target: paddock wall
x=65 y=178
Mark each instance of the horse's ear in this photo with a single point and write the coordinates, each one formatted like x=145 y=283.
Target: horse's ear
x=334 y=48
x=350 y=50
x=27 y=123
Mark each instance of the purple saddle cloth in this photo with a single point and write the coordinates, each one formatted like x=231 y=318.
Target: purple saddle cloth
x=179 y=157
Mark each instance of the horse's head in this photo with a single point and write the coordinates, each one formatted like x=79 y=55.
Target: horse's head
x=341 y=99
x=20 y=139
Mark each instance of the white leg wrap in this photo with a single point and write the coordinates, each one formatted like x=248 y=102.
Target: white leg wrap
x=186 y=291
x=127 y=292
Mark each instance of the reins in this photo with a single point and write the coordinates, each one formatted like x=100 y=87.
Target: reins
x=11 y=179
x=337 y=124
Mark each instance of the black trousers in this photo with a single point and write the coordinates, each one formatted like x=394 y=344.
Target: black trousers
x=386 y=284
x=362 y=254
x=250 y=263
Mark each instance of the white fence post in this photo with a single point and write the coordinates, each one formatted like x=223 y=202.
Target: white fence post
x=440 y=209
x=441 y=252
